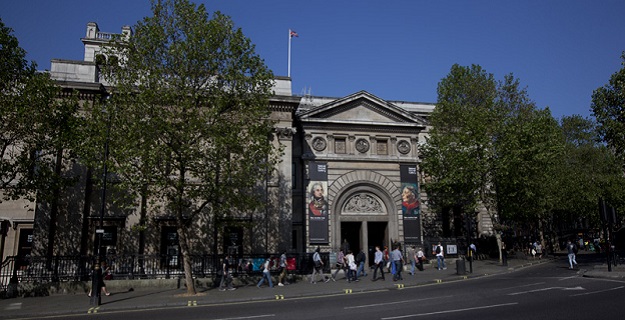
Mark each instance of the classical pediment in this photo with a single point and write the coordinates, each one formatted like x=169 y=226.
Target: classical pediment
x=360 y=108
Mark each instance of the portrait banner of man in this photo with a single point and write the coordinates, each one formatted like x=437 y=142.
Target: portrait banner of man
x=317 y=203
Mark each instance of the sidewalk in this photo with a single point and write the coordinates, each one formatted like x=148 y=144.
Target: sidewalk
x=141 y=298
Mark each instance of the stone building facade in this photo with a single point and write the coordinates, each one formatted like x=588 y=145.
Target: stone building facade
x=349 y=173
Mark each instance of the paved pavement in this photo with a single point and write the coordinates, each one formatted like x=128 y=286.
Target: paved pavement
x=142 y=298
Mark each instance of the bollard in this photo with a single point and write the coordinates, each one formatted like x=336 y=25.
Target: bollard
x=461 y=267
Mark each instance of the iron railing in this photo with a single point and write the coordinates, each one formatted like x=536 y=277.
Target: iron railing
x=36 y=269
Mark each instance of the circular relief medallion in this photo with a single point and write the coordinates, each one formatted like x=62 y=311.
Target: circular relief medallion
x=362 y=145
x=403 y=147
x=319 y=144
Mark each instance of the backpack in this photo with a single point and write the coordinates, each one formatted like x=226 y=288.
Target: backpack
x=438 y=249
x=360 y=257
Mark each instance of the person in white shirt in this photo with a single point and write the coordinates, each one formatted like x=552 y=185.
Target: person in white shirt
x=266 y=275
x=420 y=258
x=440 y=257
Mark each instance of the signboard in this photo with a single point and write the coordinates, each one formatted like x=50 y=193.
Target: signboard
x=411 y=207
x=317 y=203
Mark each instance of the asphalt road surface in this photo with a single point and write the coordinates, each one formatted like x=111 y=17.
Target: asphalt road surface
x=548 y=291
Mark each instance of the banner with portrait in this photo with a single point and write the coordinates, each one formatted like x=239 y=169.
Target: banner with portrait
x=317 y=203
x=411 y=207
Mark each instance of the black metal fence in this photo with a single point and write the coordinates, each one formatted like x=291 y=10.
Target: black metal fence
x=76 y=268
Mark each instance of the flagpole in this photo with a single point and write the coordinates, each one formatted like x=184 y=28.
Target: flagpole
x=289 y=58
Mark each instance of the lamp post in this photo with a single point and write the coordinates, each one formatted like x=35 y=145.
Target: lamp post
x=96 y=281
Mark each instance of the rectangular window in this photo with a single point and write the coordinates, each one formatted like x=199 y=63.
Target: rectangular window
x=340 y=146
x=382 y=146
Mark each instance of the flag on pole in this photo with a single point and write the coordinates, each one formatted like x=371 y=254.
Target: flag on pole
x=291 y=35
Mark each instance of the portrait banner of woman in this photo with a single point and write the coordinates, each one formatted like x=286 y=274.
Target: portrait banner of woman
x=410 y=200
x=410 y=205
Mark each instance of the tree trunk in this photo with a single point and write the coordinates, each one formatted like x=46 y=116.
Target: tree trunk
x=186 y=258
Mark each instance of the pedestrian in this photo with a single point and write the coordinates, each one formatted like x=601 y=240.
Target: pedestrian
x=340 y=264
x=378 y=264
x=266 y=274
x=317 y=267
x=412 y=258
x=440 y=257
x=102 y=271
x=539 y=250
x=472 y=251
x=420 y=258
x=226 y=275
x=504 y=254
x=361 y=258
x=345 y=246
x=283 y=264
x=351 y=267
x=397 y=262
x=387 y=259
x=571 y=248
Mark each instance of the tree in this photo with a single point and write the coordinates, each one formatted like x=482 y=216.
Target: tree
x=490 y=147
x=528 y=147
x=191 y=99
x=458 y=154
x=37 y=123
x=608 y=106
x=588 y=171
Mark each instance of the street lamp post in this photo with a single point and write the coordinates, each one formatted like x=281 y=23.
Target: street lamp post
x=96 y=288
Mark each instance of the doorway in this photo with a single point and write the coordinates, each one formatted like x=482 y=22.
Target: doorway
x=351 y=232
x=377 y=235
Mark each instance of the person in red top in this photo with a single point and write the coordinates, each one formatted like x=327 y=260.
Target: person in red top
x=387 y=259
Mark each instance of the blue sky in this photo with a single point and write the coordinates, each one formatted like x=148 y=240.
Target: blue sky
x=561 y=50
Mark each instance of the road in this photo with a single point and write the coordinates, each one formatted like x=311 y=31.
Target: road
x=548 y=291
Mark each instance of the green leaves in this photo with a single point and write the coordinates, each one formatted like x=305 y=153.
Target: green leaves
x=489 y=146
x=35 y=124
x=608 y=106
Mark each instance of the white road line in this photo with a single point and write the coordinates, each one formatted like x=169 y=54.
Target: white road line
x=395 y=302
x=14 y=306
x=545 y=289
x=593 y=292
x=523 y=286
x=451 y=311
x=250 y=317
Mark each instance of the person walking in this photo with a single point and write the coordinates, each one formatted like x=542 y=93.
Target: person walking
x=226 y=276
x=387 y=259
x=412 y=258
x=571 y=249
x=317 y=267
x=360 y=260
x=351 y=267
x=282 y=276
x=266 y=274
x=397 y=261
x=340 y=264
x=504 y=254
x=420 y=258
x=440 y=257
x=378 y=264
x=102 y=271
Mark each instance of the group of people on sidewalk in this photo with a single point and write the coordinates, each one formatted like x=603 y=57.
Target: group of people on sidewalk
x=393 y=262
x=353 y=266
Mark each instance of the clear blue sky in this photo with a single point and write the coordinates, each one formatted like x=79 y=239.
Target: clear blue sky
x=561 y=50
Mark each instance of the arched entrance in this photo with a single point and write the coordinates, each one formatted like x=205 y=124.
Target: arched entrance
x=365 y=217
